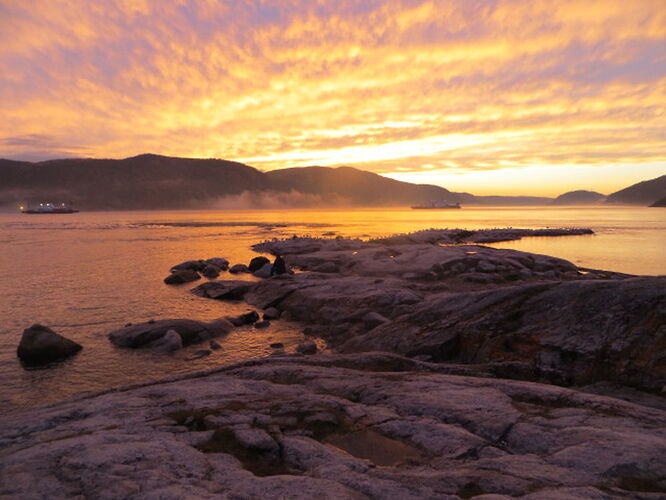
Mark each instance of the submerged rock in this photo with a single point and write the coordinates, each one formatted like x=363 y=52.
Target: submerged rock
x=151 y=334
x=338 y=427
x=40 y=345
x=181 y=276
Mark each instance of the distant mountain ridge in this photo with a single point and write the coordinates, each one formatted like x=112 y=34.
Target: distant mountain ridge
x=579 y=197
x=150 y=181
x=641 y=193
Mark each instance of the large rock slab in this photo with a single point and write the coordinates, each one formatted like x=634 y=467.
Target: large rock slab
x=575 y=332
x=150 y=334
x=336 y=427
x=540 y=317
x=40 y=345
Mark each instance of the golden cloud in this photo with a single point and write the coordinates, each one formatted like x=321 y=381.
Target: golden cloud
x=390 y=85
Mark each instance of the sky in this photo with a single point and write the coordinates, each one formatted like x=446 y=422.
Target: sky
x=485 y=96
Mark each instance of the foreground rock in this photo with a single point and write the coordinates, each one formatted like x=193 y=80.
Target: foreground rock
x=336 y=427
x=179 y=277
x=40 y=345
x=533 y=316
x=152 y=333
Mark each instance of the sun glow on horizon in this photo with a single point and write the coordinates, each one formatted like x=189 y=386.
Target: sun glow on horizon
x=490 y=91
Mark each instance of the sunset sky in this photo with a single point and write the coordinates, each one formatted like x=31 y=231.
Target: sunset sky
x=485 y=96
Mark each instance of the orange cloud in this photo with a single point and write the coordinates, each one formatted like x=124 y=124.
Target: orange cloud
x=388 y=85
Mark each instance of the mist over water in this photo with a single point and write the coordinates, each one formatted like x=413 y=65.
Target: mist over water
x=89 y=273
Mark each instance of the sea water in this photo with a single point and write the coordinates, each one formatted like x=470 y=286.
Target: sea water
x=89 y=273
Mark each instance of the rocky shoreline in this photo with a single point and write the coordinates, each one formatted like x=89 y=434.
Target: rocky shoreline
x=452 y=371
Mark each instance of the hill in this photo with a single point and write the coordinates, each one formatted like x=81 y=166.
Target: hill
x=580 y=197
x=140 y=182
x=642 y=193
x=357 y=186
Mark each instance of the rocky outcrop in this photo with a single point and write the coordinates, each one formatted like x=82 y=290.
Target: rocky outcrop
x=152 y=333
x=531 y=316
x=40 y=345
x=338 y=427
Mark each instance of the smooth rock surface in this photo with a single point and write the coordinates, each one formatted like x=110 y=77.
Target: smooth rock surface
x=190 y=332
x=336 y=427
x=39 y=345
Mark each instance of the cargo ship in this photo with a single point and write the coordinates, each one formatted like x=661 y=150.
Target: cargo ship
x=50 y=208
x=441 y=205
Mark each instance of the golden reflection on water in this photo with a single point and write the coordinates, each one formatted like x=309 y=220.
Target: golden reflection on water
x=86 y=274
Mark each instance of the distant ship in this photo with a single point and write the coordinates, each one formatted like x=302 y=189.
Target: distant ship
x=50 y=208
x=437 y=205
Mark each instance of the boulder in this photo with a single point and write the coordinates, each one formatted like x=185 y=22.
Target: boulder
x=239 y=268
x=211 y=271
x=262 y=324
x=190 y=332
x=219 y=262
x=257 y=263
x=307 y=347
x=190 y=265
x=279 y=266
x=264 y=271
x=224 y=289
x=277 y=345
x=40 y=345
x=181 y=276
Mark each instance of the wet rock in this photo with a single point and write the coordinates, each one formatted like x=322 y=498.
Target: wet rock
x=219 y=262
x=244 y=319
x=224 y=289
x=169 y=342
x=39 y=345
x=182 y=276
x=271 y=313
x=307 y=347
x=210 y=271
x=239 y=268
x=326 y=267
x=190 y=332
x=264 y=271
x=257 y=263
x=262 y=324
x=190 y=265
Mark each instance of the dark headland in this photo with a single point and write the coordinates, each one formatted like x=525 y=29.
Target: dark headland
x=148 y=182
x=452 y=372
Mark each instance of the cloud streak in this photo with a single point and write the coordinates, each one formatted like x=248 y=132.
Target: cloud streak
x=390 y=86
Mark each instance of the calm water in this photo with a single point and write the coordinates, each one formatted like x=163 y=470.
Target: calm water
x=87 y=274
